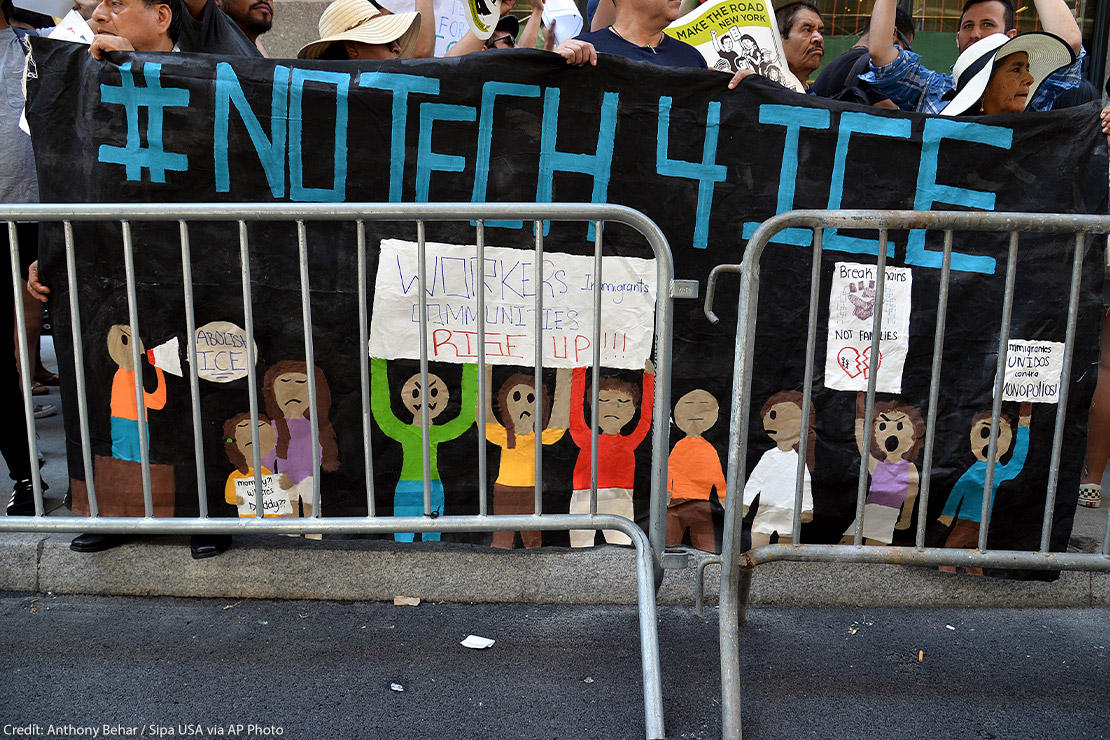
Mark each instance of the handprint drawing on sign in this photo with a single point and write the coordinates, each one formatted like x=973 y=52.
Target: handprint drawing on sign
x=863 y=298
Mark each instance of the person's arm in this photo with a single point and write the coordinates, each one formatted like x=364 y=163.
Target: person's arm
x=578 y=53
x=468 y=43
x=912 y=486
x=549 y=40
x=560 y=408
x=425 y=45
x=647 y=405
x=880 y=40
x=103 y=43
x=531 y=32
x=604 y=15
x=39 y=291
x=379 y=398
x=1056 y=18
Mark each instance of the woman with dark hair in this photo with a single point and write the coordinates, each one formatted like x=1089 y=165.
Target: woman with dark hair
x=285 y=391
x=512 y=428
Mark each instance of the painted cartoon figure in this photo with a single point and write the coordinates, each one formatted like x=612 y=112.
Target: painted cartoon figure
x=616 y=453
x=724 y=48
x=239 y=491
x=512 y=429
x=125 y=411
x=965 y=502
x=408 y=497
x=285 y=391
x=775 y=476
x=693 y=472
x=897 y=436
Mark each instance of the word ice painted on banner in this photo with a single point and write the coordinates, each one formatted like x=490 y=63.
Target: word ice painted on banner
x=1033 y=371
x=851 y=317
x=221 y=352
x=510 y=282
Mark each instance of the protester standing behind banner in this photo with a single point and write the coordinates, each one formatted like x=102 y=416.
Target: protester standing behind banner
x=205 y=28
x=18 y=184
x=899 y=74
x=840 y=79
x=637 y=33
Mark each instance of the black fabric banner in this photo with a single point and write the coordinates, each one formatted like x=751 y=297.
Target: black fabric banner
x=707 y=164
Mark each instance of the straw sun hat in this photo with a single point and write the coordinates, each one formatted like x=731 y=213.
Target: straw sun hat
x=972 y=71
x=360 y=20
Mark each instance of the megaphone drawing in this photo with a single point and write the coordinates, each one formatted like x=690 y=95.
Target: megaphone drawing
x=166 y=356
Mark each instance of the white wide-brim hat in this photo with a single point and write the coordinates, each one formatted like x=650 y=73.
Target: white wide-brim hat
x=360 y=20
x=972 y=71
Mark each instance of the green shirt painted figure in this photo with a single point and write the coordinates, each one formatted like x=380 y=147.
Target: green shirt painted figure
x=408 y=498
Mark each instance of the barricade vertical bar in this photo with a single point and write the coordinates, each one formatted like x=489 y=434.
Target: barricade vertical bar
x=999 y=379
x=1062 y=401
x=660 y=451
x=191 y=348
x=595 y=430
x=425 y=415
x=807 y=382
x=252 y=371
x=483 y=389
x=79 y=369
x=137 y=367
x=537 y=409
x=310 y=362
x=364 y=367
x=24 y=367
x=934 y=390
x=872 y=380
x=729 y=601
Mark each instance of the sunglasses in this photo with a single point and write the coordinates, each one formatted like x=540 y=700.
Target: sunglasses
x=492 y=41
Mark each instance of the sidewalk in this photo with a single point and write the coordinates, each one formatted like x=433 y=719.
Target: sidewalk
x=282 y=567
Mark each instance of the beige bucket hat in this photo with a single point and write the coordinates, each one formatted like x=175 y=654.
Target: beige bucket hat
x=361 y=20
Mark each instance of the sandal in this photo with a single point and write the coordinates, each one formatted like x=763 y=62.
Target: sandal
x=45 y=377
x=1090 y=495
x=38 y=389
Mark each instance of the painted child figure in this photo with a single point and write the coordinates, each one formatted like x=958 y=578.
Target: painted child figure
x=774 y=478
x=616 y=453
x=125 y=410
x=897 y=436
x=965 y=502
x=239 y=491
x=693 y=472
x=408 y=497
x=513 y=429
x=285 y=390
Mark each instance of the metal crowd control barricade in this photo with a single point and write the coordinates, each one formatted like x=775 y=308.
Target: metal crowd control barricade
x=648 y=550
x=737 y=566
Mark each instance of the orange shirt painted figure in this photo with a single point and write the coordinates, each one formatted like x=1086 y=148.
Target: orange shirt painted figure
x=124 y=408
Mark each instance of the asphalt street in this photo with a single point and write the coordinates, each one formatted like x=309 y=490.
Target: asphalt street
x=317 y=669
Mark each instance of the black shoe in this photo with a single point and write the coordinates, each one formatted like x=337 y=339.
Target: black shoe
x=22 y=502
x=97 y=542
x=203 y=546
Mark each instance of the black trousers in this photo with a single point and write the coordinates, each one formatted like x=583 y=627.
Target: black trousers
x=13 y=430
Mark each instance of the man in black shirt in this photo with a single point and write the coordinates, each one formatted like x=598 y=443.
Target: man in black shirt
x=840 y=77
x=208 y=30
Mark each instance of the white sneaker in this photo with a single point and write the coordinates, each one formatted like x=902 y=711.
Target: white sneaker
x=1090 y=495
x=43 y=410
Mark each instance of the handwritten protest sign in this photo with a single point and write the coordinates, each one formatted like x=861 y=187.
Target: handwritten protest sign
x=1033 y=371
x=510 y=281
x=221 y=352
x=275 y=502
x=851 y=322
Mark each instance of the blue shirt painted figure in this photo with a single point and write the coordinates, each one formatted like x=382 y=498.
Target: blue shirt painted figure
x=966 y=499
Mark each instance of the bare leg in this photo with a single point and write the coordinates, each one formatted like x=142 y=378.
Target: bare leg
x=33 y=311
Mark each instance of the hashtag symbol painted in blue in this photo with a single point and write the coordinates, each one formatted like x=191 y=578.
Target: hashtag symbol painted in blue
x=134 y=156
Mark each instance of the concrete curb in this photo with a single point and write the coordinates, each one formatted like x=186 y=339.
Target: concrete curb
x=286 y=568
